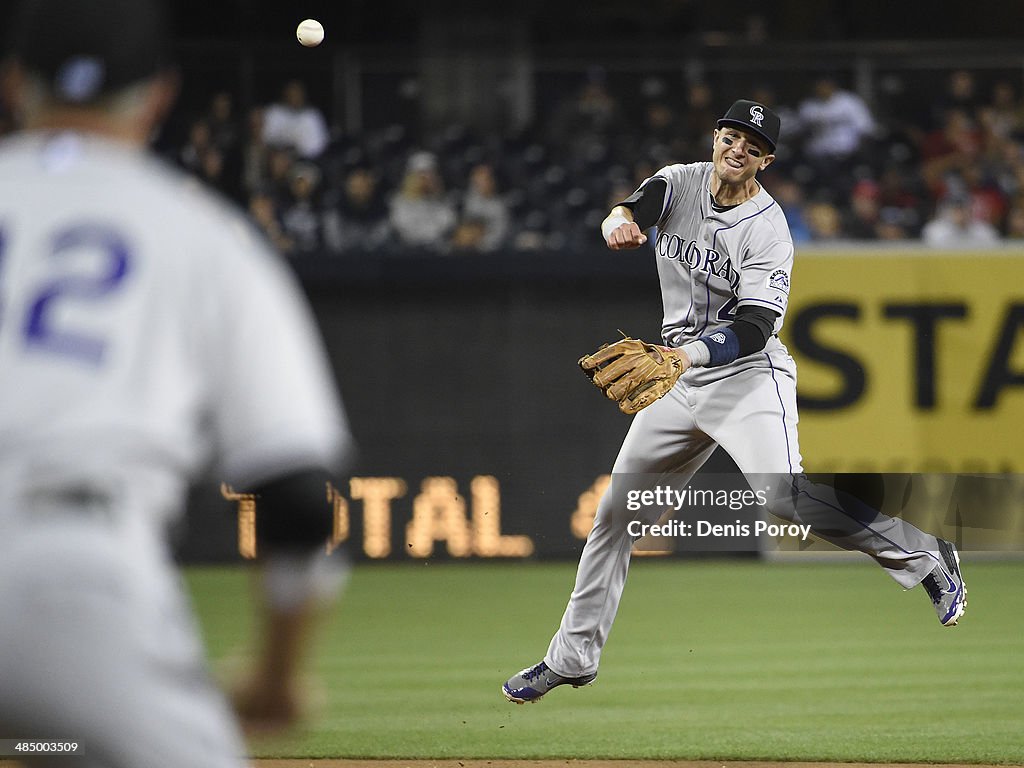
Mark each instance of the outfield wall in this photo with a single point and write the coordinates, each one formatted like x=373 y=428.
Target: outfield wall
x=462 y=387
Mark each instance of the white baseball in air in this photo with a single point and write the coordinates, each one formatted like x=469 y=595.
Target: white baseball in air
x=310 y=33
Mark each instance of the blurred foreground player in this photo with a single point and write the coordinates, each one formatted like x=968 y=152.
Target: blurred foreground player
x=144 y=330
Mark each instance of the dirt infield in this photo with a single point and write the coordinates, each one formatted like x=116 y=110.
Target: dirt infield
x=329 y=763
x=576 y=764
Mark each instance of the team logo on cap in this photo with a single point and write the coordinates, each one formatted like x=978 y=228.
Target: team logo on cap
x=80 y=78
x=756 y=115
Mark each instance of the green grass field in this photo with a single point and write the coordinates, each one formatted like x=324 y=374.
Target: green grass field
x=717 y=659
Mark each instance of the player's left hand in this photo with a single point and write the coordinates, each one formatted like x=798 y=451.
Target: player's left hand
x=634 y=373
x=678 y=353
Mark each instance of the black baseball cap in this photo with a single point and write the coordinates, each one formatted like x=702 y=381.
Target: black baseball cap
x=85 y=49
x=756 y=118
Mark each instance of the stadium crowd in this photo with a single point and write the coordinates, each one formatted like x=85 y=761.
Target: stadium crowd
x=950 y=175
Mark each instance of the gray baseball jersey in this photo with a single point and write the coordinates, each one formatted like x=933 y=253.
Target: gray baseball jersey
x=144 y=328
x=710 y=263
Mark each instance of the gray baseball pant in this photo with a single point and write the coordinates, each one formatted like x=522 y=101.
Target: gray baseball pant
x=750 y=410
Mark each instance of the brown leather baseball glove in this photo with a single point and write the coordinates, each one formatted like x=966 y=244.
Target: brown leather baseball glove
x=632 y=372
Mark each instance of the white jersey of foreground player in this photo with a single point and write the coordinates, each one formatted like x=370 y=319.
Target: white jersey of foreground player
x=143 y=326
x=144 y=329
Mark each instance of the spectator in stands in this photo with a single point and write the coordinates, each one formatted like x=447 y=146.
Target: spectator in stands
x=421 y=214
x=190 y=156
x=468 y=236
x=278 y=178
x=1011 y=179
x=254 y=153
x=658 y=134
x=955 y=146
x=263 y=210
x=296 y=124
x=224 y=128
x=659 y=125
x=955 y=226
x=1002 y=159
x=212 y=172
x=208 y=162
x=837 y=123
x=894 y=225
x=961 y=94
x=593 y=110
x=863 y=216
x=226 y=138
x=824 y=221
x=302 y=218
x=901 y=200
x=1015 y=220
x=790 y=196
x=700 y=112
x=534 y=232
x=358 y=219
x=988 y=201
x=1003 y=116
x=483 y=206
x=979 y=147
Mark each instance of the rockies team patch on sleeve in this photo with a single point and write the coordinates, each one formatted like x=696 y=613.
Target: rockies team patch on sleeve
x=779 y=281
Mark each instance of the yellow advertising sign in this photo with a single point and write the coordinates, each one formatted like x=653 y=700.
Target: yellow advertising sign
x=909 y=362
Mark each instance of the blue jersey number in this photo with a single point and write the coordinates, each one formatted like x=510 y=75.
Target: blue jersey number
x=40 y=327
x=728 y=311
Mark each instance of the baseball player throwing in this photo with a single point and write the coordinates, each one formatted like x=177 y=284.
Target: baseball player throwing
x=144 y=328
x=725 y=259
